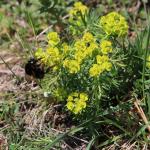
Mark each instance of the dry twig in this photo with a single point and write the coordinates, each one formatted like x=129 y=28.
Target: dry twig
x=142 y=114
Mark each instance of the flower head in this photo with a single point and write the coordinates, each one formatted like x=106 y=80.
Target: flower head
x=107 y=66
x=79 y=56
x=70 y=105
x=88 y=37
x=83 y=97
x=53 y=54
x=76 y=102
x=106 y=47
x=65 y=48
x=103 y=64
x=102 y=59
x=78 y=7
x=114 y=24
x=39 y=53
x=95 y=70
x=53 y=38
x=80 y=45
x=92 y=46
x=73 y=66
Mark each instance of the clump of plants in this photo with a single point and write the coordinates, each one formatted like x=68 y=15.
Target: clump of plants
x=95 y=68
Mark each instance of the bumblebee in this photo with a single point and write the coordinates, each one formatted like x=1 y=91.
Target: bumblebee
x=34 y=68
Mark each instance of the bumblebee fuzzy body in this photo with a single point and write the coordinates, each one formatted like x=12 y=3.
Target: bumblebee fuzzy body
x=34 y=68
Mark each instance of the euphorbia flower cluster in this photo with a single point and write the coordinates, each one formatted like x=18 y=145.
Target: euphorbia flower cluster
x=76 y=102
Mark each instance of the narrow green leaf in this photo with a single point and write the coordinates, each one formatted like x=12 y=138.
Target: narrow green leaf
x=90 y=144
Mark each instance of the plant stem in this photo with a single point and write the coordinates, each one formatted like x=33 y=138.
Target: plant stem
x=144 y=66
x=8 y=67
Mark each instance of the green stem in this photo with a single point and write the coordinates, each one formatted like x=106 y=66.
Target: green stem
x=8 y=67
x=83 y=19
x=144 y=66
x=97 y=93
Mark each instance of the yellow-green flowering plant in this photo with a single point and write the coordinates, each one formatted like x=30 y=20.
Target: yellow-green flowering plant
x=79 y=67
x=87 y=67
